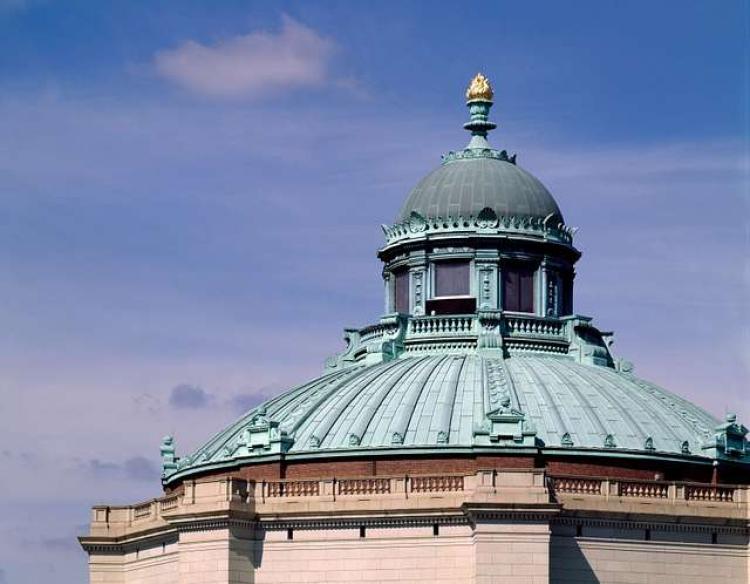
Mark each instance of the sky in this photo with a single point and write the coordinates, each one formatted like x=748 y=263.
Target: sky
x=191 y=196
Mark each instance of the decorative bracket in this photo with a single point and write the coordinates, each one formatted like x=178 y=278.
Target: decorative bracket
x=262 y=436
x=730 y=440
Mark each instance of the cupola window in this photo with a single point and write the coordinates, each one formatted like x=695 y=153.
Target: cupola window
x=567 y=296
x=518 y=289
x=452 y=279
x=401 y=291
x=452 y=289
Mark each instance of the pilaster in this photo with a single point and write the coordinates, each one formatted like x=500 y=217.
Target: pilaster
x=511 y=546
x=418 y=283
x=487 y=279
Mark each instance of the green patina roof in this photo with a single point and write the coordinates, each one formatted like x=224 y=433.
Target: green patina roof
x=479 y=177
x=463 y=188
x=442 y=403
x=491 y=381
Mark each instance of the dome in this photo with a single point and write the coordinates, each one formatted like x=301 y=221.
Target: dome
x=466 y=186
x=450 y=403
x=479 y=353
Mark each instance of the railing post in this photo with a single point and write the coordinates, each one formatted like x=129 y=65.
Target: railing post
x=486 y=481
x=327 y=490
x=398 y=486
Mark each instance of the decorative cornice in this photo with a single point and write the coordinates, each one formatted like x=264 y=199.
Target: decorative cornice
x=118 y=546
x=213 y=523
x=473 y=153
x=274 y=524
x=624 y=521
x=499 y=512
x=486 y=223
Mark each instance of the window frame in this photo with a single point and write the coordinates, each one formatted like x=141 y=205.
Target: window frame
x=463 y=262
x=521 y=269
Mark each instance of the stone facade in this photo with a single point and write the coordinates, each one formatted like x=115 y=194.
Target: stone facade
x=493 y=526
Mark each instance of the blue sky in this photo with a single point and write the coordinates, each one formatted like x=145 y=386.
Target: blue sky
x=191 y=194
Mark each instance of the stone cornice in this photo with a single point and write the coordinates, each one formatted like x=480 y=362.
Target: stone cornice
x=127 y=544
x=678 y=523
x=486 y=223
x=342 y=522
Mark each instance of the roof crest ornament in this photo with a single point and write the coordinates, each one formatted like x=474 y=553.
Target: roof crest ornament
x=479 y=101
x=479 y=89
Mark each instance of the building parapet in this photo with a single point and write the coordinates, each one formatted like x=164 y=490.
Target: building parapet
x=231 y=497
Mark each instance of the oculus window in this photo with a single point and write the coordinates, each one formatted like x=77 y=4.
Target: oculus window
x=518 y=288
x=451 y=279
x=401 y=291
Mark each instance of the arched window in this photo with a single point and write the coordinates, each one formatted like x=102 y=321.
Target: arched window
x=518 y=288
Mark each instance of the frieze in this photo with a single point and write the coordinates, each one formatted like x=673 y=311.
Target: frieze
x=485 y=222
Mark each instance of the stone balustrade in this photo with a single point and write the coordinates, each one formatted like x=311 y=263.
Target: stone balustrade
x=458 y=332
x=518 y=486
x=442 y=326
x=646 y=489
x=366 y=486
x=530 y=326
x=709 y=493
x=432 y=484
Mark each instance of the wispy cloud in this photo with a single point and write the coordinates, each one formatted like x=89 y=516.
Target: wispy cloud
x=136 y=468
x=192 y=397
x=254 y=65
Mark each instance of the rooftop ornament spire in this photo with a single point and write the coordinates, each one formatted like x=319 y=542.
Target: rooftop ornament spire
x=479 y=96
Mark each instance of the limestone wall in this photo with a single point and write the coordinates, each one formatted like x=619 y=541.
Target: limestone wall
x=407 y=554
x=667 y=558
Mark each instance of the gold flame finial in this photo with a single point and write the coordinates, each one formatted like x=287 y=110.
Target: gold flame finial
x=479 y=89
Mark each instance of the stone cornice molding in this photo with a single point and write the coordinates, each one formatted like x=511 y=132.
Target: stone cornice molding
x=485 y=223
x=614 y=520
x=338 y=522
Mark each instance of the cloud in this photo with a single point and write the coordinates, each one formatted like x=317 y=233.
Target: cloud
x=140 y=468
x=147 y=403
x=136 y=468
x=189 y=397
x=253 y=65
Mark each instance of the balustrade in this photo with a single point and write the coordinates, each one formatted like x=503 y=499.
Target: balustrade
x=709 y=493
x=534 y=327
x=644 y=489
x=431 y=484
x=141 y=511
x=368 y=486
x=168 y=503
x=292 y=489
x=577 y=485
x=441 y=325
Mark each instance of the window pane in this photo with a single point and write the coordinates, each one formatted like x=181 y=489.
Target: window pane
x=452 y=279
x=510 y=290
x=401 y=291
x=567 y=296
x=518 y=289
x=526 y=291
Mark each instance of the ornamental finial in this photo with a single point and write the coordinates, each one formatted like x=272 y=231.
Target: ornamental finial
x=479 y=101
x=479 y=89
